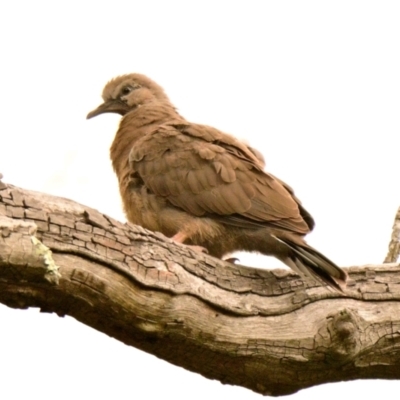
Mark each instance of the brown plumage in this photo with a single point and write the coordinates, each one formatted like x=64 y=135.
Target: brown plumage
x=203 y=187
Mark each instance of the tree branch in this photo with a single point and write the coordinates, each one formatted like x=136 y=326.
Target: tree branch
x=269 y=331
x=394 y=245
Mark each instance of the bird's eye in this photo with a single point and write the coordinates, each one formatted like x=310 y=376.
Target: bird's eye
x=126 y=90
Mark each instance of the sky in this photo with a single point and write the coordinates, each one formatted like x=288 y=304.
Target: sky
x=315 y=86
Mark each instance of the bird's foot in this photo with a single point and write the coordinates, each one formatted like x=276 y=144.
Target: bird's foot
x=181 y=237
x=232 y=260
x=199 y=249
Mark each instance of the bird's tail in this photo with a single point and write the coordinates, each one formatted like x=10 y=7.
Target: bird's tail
x=309 y=262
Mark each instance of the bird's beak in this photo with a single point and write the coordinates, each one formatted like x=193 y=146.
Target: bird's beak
x=111 y=106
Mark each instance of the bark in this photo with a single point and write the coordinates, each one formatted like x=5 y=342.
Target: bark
x=394 y=245
x=269 y=331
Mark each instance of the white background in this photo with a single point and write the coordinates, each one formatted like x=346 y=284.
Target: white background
x=314 y=85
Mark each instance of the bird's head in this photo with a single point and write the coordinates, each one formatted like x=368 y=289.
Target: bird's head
x=127 y=92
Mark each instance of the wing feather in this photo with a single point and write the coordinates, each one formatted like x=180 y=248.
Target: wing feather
x=206 y=172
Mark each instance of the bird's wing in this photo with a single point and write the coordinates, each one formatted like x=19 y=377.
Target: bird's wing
x=309 y=220
x=206 y=172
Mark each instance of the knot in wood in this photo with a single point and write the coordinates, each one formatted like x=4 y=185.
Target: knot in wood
x=344 y=334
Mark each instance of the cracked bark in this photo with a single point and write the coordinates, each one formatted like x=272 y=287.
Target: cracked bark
x=269 y=331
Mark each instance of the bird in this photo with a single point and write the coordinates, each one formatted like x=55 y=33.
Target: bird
x=202 y=187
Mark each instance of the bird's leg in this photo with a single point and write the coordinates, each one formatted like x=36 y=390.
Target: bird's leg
x=180 y=237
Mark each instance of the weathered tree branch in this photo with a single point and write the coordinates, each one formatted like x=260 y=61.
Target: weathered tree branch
x=394 y=245
x=269 y=331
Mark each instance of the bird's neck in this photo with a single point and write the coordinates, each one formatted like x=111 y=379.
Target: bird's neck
x=135 y=125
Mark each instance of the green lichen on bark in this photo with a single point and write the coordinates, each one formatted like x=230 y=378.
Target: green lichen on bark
x=52 y=275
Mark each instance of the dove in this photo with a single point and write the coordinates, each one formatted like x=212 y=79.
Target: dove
x=203 y=187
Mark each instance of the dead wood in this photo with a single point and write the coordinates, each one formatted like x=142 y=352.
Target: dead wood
x=269 y=331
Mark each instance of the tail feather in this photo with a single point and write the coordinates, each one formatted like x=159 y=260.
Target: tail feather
x=308 y=261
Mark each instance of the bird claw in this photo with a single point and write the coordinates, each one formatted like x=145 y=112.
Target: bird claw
x=181 y=237
x=232 y=260
x=198 y=249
